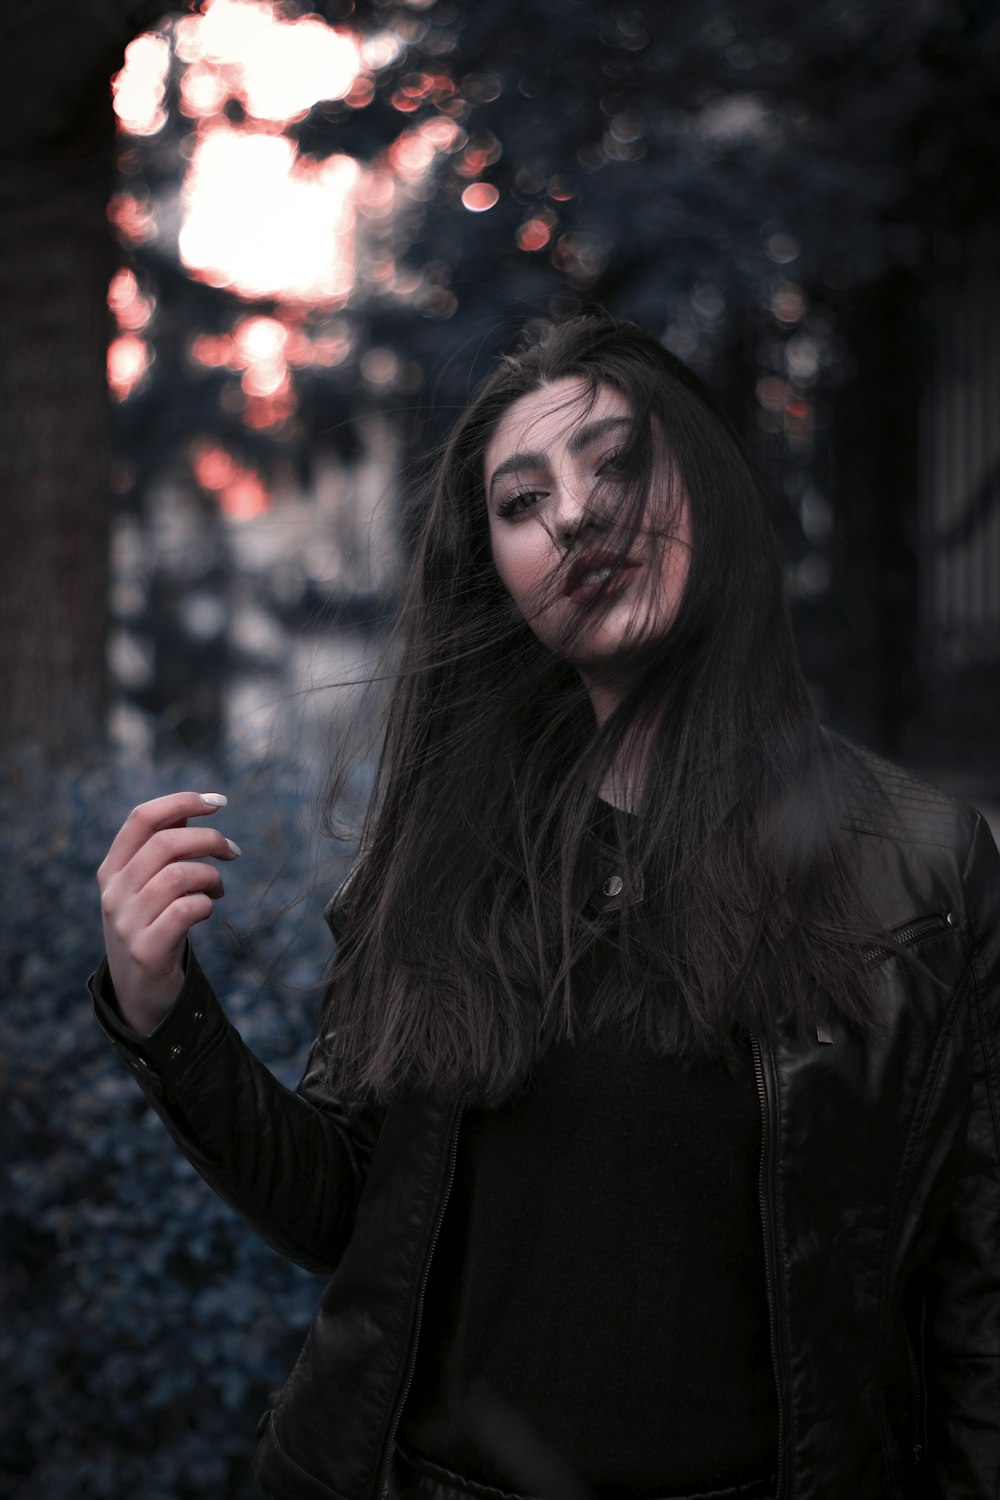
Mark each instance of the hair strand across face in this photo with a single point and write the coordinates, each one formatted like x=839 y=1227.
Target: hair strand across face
x=467 y=927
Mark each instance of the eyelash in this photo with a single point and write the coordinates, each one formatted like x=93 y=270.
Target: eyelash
x=521 y=501
x=515 y=503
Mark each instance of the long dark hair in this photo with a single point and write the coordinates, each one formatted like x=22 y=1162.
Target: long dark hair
x=466 y=926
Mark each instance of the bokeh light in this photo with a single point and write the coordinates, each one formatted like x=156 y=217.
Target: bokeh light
x=480 y=196
x=261 y=221
x=277 y=69
x=139 y=89
x=256 y=217
x=240 y=491
x=133 y=218
x=129 y=357
x=535 y=233
x=132 y=310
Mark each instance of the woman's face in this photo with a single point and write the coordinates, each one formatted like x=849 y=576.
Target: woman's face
x=552 y=528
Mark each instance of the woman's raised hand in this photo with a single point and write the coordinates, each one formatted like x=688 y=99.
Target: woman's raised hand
x=153 y=890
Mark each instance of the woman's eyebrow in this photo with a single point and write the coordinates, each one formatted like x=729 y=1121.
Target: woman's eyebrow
x=590 y=432
x=528 y=459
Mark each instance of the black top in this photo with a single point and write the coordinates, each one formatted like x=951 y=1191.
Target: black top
x=595 y=1319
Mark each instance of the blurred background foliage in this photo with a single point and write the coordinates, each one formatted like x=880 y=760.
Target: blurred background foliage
x=141 y=1323
x=252 y=258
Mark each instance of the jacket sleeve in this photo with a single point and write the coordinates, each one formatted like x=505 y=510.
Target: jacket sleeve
x=291 y=1163
x=962 y=1328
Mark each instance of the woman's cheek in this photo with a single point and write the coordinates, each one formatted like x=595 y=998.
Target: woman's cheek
x=523 y=574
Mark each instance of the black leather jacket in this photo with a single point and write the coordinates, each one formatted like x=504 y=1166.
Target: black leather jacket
x=879 y=1192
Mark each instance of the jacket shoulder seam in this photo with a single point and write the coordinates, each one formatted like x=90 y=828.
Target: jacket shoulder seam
x=982 y=1031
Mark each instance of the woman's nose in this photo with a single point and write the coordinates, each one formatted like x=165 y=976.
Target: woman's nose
x=575 y=518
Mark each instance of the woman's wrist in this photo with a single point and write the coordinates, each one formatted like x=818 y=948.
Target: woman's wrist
x=143 y=1013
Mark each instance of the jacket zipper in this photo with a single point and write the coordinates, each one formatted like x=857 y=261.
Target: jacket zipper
x=911 y=932
x=767 y=1226
x=917 y=1381
x=383 y=1488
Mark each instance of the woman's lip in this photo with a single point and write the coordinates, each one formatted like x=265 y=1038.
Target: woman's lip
x=583 y=591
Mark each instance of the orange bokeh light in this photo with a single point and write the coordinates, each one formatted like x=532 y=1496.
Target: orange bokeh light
x=480 y=196
x=534 y=234
x=132 y=218
x=131 y=309
x=411 y=154
x=212 y=350
x=245 y=498
x=213 y=467
x=129 y=358
x=269 y=410
x=482 y=151
x=265 y=379
x=445 y=135
x=241 y=492
x=330 y=350
x=361 y=93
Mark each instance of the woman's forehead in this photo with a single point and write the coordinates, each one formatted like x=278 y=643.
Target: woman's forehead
x=546 y=419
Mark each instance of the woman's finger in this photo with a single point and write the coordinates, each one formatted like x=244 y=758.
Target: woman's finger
x=168 y=846
x=159 y=947
x=175 y=881
x=171 y=811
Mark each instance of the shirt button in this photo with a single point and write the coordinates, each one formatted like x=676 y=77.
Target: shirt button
x=198 y=1015
x=952 y=919
x=613 y=886
x=176 y=1050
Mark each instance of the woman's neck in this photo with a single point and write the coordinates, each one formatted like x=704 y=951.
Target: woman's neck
x=622 y=785
x=605 y=695
x=617 y=792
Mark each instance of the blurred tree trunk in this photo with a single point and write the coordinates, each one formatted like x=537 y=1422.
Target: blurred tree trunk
x=57 y=143
x=875 y=463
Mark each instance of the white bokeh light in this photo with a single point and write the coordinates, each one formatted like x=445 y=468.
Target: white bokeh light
x=260 y=221
x=139 y=88
x=285 y=67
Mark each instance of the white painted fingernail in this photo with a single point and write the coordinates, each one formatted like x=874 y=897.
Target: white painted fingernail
x=214 y=799
x=234 y=846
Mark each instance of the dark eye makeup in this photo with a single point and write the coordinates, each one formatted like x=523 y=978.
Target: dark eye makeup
x=522 y=500
x=515 y=503
x=613 y=461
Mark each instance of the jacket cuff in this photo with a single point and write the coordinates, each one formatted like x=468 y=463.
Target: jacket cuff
x=193 y=1026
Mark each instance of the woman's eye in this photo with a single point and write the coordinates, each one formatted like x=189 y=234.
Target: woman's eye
x=613 y=462
x=513 y=504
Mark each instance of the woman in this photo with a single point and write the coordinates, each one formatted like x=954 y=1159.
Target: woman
x=651 y=1134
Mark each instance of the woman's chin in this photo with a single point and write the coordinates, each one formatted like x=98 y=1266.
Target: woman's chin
x=610 y=648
